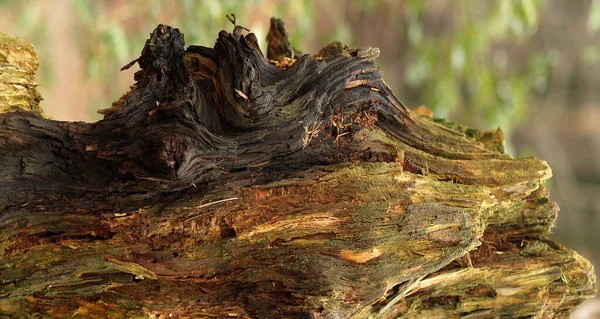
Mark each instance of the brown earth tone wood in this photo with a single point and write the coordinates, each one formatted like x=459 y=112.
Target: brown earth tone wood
x=228 y=185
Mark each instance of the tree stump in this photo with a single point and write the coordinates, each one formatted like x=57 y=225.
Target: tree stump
x=226 y=184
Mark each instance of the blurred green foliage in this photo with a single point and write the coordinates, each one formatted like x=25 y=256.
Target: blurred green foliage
x=591 y=53
x=462 y=70
x=467 y=71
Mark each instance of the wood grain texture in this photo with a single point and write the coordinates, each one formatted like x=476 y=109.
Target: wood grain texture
x=226 y=185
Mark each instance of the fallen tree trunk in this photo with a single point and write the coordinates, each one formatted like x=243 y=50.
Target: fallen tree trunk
x=225 y=184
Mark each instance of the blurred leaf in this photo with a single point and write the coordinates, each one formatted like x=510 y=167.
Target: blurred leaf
x=368 y=5
x=530 y=12
x=84 y=11
x=418 y=71
x=594 y=16
x=457 y=57
x=591 y=54
x=118 y=43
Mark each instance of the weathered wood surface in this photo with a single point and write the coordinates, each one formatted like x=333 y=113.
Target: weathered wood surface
x=227 y=185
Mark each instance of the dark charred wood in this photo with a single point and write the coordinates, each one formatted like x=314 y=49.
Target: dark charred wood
x=176 y=130
x=279 y=46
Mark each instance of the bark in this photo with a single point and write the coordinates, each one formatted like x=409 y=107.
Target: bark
x=227 y=185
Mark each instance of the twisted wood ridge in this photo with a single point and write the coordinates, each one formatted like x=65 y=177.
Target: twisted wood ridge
x=226 y=184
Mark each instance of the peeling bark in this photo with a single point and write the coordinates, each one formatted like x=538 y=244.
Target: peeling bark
x=224 y=184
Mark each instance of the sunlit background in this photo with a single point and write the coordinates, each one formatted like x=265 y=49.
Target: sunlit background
x=531 y=67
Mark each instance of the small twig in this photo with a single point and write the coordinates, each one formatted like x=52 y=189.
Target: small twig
x=340 y=135
x=425 y=171
x=389 y=202
x=469 y=259
x=209 y=204
x=241 y=94
x=258 y=164
x=237 y=29
x=231 y=18
x=310 y=133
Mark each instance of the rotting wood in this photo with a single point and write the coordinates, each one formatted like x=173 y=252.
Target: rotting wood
x=227 y=185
